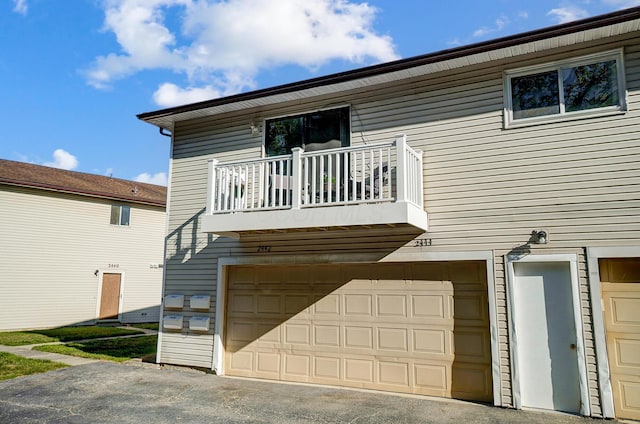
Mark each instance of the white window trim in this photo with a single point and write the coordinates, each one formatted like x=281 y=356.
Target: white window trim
x=617 y=55
x=120 y=224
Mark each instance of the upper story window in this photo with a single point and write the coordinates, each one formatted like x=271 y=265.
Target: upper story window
x=591 y=84
x=326 y=126
x=120 y=215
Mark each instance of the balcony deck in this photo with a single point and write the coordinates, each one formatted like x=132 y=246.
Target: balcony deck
x=362 y=186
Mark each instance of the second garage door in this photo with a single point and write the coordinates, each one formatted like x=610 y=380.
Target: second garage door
x=620 y=280
x=405 y=327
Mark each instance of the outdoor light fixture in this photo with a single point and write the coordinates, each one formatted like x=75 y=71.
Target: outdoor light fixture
x=96 y=273
x=539 y=237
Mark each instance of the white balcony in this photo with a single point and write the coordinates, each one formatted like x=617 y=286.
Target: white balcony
x=365 y=186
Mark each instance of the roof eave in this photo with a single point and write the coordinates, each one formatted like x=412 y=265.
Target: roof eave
x=178 y=113
x=66 y=190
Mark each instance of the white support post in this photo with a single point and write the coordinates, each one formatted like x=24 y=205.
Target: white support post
x=401 y=167
x=211 y=186
x=420 y=185
x=296 y=177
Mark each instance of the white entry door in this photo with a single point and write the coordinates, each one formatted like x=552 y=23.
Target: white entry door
x=545 y=336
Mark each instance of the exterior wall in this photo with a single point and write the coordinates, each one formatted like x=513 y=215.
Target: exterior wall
x=57 y=242
x=485 y=187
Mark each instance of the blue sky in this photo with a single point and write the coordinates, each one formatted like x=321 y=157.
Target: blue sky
x=74 y=73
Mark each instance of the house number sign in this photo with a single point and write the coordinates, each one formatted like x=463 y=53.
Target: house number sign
x=114 y=265
x=264 y=249
x=423 y=242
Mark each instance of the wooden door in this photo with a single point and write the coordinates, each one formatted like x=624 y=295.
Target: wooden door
x=110 y=296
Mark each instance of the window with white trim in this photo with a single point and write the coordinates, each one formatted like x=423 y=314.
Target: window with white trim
x=120 y=215
x=587 y=85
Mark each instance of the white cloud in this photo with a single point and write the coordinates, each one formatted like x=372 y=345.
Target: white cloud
x=223 y=45
x=20 y=6
x=499 y=25
x=567 y=14
x=159 y=179
x=170 y=94
x=63 y=160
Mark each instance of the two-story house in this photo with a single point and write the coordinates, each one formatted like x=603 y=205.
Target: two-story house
x=78 y=248
x=461 y=224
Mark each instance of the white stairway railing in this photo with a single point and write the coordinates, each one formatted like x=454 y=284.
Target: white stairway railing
x=374 y=173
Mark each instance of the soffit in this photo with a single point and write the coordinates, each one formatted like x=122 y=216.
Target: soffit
x=386 y=73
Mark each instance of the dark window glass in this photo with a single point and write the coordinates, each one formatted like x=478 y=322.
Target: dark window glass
x=120 y=215
x=115 y=215
x=283 y=134
x=124 y=216
x=535 y=95
x=590 y=86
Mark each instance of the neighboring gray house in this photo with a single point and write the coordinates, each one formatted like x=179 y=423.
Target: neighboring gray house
x=78 y=248
x=462 y=224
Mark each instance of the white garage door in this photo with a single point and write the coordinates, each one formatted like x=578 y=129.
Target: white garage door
x=620 y=281
x=410 y=327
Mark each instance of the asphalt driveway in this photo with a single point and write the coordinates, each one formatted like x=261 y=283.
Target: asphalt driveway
x=104 y=392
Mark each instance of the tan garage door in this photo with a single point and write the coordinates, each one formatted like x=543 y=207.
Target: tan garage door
x=414 y=328
x=620 y=280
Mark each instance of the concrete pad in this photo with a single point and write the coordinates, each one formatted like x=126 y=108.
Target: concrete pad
x=105 y=392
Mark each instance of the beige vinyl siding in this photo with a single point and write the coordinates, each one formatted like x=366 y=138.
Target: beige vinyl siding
x=52 y=245
x=485 y=187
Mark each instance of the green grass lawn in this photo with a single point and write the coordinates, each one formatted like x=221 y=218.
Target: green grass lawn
x=63 y=334
x=146 y=325
x=12 y=366
x=118 y=350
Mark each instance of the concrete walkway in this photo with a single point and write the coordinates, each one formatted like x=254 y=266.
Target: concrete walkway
x=28 y=352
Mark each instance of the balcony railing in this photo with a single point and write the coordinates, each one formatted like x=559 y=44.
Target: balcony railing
x=383 y=173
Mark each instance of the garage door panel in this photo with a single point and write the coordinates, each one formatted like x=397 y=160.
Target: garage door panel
x=393 y=330
x=627 y=353
x=470 y=307
x=431 y=341
x=433 y=306
x=433 y=378
x=358 y=305
x=327 y=369
x=326 y=335
x=358 y=337
x=620 y=284
x=358 y=370
x=297 y=367
x=629 y=396
x=472 y=345
x=471 y=382
x=395 y=339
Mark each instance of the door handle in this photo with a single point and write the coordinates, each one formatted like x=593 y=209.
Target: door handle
x=573 y=346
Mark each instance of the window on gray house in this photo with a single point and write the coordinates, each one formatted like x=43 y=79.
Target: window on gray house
x=283 y=134
x=589 y=84
x=120 y=215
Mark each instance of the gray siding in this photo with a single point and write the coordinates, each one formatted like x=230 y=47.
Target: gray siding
x=58 y=242
x=485 y=187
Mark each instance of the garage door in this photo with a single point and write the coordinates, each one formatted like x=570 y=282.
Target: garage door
x=403 y=327
x=620 y=281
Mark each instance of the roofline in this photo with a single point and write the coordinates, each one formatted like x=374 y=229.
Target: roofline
x=96 y=194
x=402 y=64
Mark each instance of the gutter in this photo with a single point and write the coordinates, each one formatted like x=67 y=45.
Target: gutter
x=402 y=64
